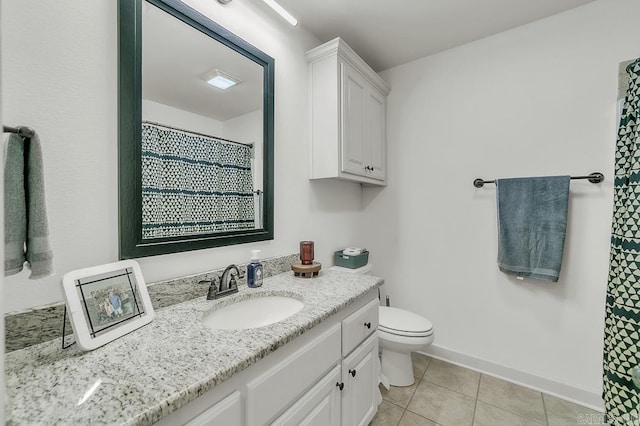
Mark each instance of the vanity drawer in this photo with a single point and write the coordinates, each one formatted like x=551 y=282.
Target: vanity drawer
x=357 y=326
x=280 y=386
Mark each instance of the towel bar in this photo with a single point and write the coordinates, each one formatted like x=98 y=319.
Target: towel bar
x=22 y=131
x=595 y=177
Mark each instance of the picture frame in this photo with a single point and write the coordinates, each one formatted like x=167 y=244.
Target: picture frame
x=106 y=302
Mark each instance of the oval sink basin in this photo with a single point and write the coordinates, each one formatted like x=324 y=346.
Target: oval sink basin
x=253 y=313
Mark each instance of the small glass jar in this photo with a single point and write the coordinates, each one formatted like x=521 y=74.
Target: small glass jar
x=306 y=252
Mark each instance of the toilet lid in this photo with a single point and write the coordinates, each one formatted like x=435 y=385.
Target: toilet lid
x=399 y=321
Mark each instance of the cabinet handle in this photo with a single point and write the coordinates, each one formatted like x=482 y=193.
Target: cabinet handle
x=340 y=385
x=353 y=373
x=367 y=324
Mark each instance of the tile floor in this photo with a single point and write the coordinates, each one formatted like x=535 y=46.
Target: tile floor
x=448 y=395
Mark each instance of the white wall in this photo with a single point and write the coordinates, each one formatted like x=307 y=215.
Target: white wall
x=176 y=117
x=246 y=128
x=59 y=76
x=536 y=100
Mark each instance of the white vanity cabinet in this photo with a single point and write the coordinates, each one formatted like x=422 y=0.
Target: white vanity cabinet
x=225 y=412
x=347 y=394
x=275 y=389
x=326 y=376
x=360 y=365
x=348 y=116
x=320 y=406
x=360 y=378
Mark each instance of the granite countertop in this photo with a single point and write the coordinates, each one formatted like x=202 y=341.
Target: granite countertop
x=162 y=366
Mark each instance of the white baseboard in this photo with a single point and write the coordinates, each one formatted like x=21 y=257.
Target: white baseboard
x=563 y=391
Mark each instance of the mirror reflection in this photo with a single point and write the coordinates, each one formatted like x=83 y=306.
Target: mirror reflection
x=202 y=132
x=196 y=132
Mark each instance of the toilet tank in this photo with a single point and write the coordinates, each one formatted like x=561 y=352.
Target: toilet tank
x=363 y=270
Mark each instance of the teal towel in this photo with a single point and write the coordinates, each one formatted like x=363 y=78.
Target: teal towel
x=26 y=229
x=532 y=222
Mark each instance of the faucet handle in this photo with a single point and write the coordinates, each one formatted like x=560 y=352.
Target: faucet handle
x=214 y=288
x=217 y=282
x=233 y=284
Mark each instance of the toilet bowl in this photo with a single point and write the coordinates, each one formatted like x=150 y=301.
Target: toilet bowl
x=400 y=332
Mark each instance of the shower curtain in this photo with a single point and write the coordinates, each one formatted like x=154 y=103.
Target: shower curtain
x=622 y=311
x=194 y=184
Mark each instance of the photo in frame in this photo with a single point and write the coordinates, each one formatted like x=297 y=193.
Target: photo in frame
x=106 y=302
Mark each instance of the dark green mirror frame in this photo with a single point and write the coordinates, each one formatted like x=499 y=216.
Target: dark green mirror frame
x=130 y=133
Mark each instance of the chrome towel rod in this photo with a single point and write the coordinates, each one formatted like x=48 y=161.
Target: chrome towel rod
x=22 y=131
x=595 y=177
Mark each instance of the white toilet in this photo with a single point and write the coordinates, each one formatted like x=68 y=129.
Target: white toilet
x=400 y=332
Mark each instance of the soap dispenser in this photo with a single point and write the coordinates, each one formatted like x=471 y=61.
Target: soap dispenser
x=254 y=270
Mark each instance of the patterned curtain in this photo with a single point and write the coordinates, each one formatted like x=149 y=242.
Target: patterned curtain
x=622 y=320
x=194 y=184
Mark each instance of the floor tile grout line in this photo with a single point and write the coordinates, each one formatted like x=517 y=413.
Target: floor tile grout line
x=448 y=388
x=420 y=415
x=511 y=412
x=477 y=399
x=393 y=403
x=434 y=384
x=544 y=407
x=421 y=379
x=398 y=405
x=475 y=406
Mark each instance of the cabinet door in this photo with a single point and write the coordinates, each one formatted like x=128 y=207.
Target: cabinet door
x=376 y=154
x=353 y=140
x=318 y=407
x=226 y=412
x=360 y=378
x=279 y=386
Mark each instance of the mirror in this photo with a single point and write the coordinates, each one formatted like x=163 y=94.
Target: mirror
x=195 y=160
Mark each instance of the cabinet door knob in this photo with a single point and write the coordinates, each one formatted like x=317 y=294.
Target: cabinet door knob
x=340 y=385
x=353 y=373
x=367 y=324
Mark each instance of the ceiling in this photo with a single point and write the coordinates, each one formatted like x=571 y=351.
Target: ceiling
x=174 y=58
x=390 y=33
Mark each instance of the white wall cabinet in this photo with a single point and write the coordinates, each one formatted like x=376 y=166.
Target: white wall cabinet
x=327 y=376
x=348 y=116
